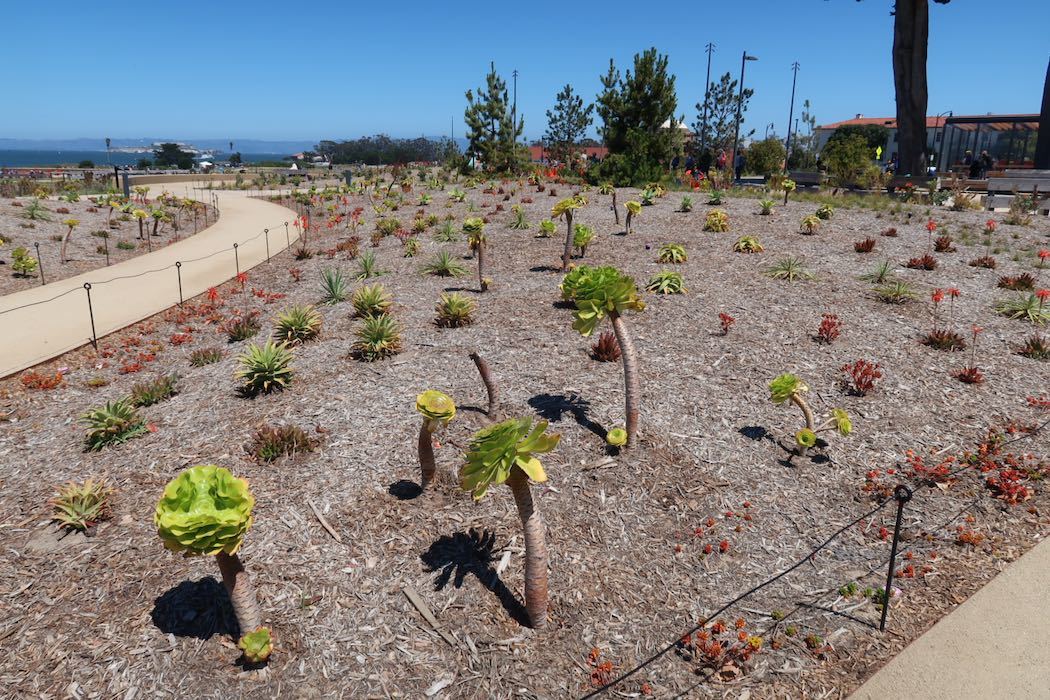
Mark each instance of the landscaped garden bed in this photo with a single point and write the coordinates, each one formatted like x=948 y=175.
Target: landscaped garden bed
x=710 y=499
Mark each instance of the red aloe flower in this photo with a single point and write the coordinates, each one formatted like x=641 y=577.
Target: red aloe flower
x=931 y=225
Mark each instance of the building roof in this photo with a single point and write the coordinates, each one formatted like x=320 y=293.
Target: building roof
x=888 y=122
x=997 y=122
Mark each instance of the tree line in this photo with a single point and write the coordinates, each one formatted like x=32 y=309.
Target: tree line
x=384 y=150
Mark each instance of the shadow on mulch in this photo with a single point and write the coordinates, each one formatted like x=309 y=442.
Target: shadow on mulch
x=563 y=304
x=461 y=289
x=463 y=553
x=755 y=432
x=551 y=407
x=196 y=609
x=545 y=268
x=404 y=490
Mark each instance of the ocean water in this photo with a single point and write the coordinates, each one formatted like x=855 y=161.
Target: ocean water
x=25 y=159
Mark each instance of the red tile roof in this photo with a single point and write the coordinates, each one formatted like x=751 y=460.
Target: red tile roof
x=888 y=122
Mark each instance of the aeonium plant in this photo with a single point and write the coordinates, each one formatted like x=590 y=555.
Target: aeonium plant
x=437 y=410
x=205 y=510
x=788 y=387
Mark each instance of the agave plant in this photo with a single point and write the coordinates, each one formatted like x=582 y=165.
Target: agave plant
x=368 y=267
x=566 y=208
x=78 y=507
x=334 y=286
x=601 y=292
x=715 y=198
x=748 y=244
x=716 y=221
x=297 y=324
x=766 y=207
x=437 y=410
x=506 y=453
x=1026 y=307
x=446 y=233
x=789 y=269
x=519 y=223
x=378 y=337
x=581 y=238
x=112 y=424
x=205 y=510
x=672 y=253
x=475 y=230
x=606 y=188
x=370 y=300
x=895 y=292
x=666 y=282
x=633 y=209
x=454 y=310
x=444 y=265
x=788 y=387
x=264 y=368
x=687 y=204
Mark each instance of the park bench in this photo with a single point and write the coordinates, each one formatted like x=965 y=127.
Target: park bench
x=1001 y=190
x=807 y=178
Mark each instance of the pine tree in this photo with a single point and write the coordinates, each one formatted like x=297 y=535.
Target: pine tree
x=721 y=101
x=492 y=133
x=566 y=125
x=634 y=109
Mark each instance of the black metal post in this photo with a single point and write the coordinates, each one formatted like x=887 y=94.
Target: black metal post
x=236 y=259
x=791 y=114
x=739 y=104
x=266 y=235
x=287 y=238
x=91 y=315
x=902 y=494
x=178 y=271
x=39 y=263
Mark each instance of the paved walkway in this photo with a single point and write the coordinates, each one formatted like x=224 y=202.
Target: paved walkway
x=36 y=326
x=995 y=645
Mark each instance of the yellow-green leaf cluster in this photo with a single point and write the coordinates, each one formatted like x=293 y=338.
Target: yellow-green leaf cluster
x=204 y=510
x=496 y=450
x=436 y=407
x=603 y=291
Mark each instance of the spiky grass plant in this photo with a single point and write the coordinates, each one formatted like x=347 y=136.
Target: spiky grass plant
x=368 y=267
x=454 y=310
x=567 y=208
x=297 y=324
x=241 y=328
x=79 y=507
x=206 y=511
x=715 y=198
x=155 y=391
x=410 y=247
x=896 y=292
x=748 y=244
x=519 y=222
x=881 y=274
x=666 y=282
x=687 y=204
x=264 y=368
x=1034 y=308
x=446 y=233
x=582 y=237
x=766 y=207
x=444 y=264
x=1036 y=347
x=506 y=453
x=717 y=221
x=672 y=254
x=270 y=442
x=633 y=209
x=112 y=424
x=335 y=287
x=378 y=337
x=789 y=269
x=547 y=228
x=605 y=291
x=205 y=356
x=371 y=300
x=437 y=410
x=788 y=387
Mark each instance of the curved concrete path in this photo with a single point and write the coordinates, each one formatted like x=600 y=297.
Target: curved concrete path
x=994 y=645
x=36 y=326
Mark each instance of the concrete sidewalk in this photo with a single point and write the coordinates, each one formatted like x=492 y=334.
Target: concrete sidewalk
x=995 y=645
x=36 y=326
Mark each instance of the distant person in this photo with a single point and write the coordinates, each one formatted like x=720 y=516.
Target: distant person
x=738 y=163
x=975 y=166
x=986 y=163
x=722 y=158
x=893 y=164
x=704 y=162
x=968 y=158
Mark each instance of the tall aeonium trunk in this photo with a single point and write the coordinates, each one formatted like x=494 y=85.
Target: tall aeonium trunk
x=65 y=242
x=616 y=210
x=535 y=549
x=242 y=594
x=140 y=229
x=911 y=30
x=631 y=390
x=567 y=253
x=426 y=455
x=811 y=422
x=482 y=285
x=627 y=222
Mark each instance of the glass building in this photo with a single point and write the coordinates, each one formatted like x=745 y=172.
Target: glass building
x=1008 y=138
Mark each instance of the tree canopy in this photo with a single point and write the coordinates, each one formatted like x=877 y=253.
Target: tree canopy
x=491 y=131
x=381 y=149
x=721 y=100
x=566 y=124
x=171 y=155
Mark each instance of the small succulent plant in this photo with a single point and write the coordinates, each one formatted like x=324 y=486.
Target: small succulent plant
x=437 y=409
x=297 y=324
x=766 y=207
x=810 y=224
x=444 y=264
x=717 y=221
x=546 y=229
x=825 y=212
x=666 y=282
x=788 y=387
x=205 y=356
x=112 y=424
x=454 y=310
x=264 y=368
x=335 y=287
x=687 y=204
x=672 y=253
x=257 y=645
x=78 y=507
x=155 y=391
x=617 y=437
x=378 y=337
x=270 y=443
x=748 y=244
x=789 y=269
x=371 y=300
x=607 y=349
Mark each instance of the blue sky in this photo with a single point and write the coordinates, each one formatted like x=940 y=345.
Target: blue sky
x=325 y=69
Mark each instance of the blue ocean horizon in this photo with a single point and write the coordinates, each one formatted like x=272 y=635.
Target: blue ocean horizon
x=50 y=159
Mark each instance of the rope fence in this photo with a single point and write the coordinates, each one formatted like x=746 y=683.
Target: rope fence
x=903 y=494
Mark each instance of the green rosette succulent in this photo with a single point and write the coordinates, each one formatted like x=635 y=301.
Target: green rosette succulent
x=436 y=407
x=806 y=438
x=566 y=205
x=634 y=207
x=572 y=279
x=204 y=510
x=257 y=645
x=617 y=437
x=842 y=421
x=473 y=225
x=600 y=293
x=784 y=387
x=496 y=450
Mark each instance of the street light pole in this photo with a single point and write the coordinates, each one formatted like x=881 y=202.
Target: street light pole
x=740 y=102
x=791 y=113
x=707 y=95
x=514 y=109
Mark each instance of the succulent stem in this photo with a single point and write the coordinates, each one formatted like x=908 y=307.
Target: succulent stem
x=616 y=212
x=490 y=385
x=535 y=549
x=567 y=253
x=426 y=454
x=242 y=595
x=632 y=392
x=627 y=222
x=482 y=284
x=797 y=399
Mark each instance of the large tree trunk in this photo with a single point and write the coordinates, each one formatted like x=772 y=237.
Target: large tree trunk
x=426 y=455
x=535 y=549
x=632 y=392
x=1042 y=143
x=242 y=595
x=911 y=30
x=567 y=253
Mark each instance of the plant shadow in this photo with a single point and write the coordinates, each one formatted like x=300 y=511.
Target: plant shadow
x=463 y=553
x=197 y=609
x=404 y=490
x=755 y=432
x=545 y=268
x=551 y=407
x=461 y=289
